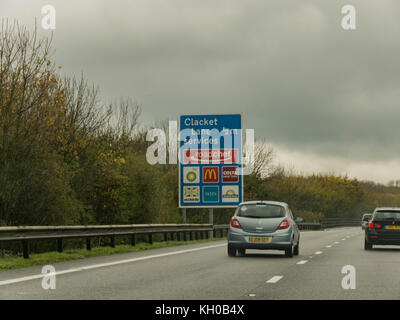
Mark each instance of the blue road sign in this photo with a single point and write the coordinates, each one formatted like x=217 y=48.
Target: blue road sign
x=210 y=160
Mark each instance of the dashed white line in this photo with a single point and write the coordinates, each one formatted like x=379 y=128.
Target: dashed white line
x=328 y=246
x=274 y=279
x=336 y=242
x=318 y=252
x=302 y=262
x=343 y=239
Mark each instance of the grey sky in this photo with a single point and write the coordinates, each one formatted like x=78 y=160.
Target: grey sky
x=327 y=99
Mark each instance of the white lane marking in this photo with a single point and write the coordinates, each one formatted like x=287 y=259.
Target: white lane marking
x=328 y=246
x=343 y=239
x=274 y=279
x=100 y=265
x=302 y=262
x=336 y=242
x=318 y=252
x=252 y=295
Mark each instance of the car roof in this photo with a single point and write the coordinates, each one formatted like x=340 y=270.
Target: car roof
x=387 y=209
x=279 y=203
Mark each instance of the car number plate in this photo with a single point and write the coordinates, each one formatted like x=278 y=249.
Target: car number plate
x=260 y=239
x=393 y=227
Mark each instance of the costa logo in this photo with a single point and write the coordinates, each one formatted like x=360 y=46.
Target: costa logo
x=230 y=174
x=210 y=174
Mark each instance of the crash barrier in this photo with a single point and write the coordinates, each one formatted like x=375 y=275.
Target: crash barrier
x=339 y=222
x=25 y=234
x=184 y=232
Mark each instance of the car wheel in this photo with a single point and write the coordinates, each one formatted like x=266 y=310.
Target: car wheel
x=296 y=249
x=289 y=252
x=242 y=252
x=231 y=251
x=367 y=245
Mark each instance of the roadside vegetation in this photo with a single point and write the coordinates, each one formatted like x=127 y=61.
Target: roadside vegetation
x=14 y=262
x=68 y=158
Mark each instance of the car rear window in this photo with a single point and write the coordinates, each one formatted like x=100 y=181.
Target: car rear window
x=387 y=215
x=366 y=217
x=260 y=211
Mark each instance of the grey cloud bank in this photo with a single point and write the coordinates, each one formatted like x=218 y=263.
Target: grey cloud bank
x=328 y=95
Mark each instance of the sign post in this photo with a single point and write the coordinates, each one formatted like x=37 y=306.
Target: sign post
x=184 y=215
x=210 y=161
x=211 y=221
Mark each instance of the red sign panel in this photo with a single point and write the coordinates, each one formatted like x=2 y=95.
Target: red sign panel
x=230 y=174
x=210 y=174
x=210 y=156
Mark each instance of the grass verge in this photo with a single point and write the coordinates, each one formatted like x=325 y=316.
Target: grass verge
x=13 y=262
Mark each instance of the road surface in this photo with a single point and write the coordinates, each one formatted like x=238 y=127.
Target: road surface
x=205 y=272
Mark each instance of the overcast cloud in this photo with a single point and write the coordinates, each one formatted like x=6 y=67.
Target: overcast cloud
x=327 y=99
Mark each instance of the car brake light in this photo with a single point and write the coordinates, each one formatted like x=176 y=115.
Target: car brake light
x=235 y=223
x=284 y=224
x=373 y=225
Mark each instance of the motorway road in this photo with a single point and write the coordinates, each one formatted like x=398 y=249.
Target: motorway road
x=204 y=271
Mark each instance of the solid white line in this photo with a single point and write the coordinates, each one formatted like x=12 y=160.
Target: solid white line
x=302 y=262
x=95 y=266
x=274 y=279
x=318 y=252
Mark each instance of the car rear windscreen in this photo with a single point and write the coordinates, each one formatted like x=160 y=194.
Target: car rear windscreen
x=260 y=211
x=366 y=217
x=390 y=214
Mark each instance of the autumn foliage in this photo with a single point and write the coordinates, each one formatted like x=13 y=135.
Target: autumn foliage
x=68 y=158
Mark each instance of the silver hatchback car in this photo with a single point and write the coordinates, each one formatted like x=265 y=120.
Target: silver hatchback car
x=265 y=225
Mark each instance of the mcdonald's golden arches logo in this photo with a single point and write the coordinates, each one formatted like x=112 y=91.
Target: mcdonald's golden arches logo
x=210 y=174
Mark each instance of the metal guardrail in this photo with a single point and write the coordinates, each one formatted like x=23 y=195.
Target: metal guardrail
x=309 y=226
x=220 y=229
x=339 y=222
x=302 y=226
x=195 y=231
x=29 y=233
x=329 y=223
x=322 y=224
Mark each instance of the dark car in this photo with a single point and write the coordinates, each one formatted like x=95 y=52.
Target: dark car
x=383 y=228
x=365 y=220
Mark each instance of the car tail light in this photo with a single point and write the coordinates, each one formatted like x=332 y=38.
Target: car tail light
x=284 y=224
x=235 y=223
x=372 y=225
